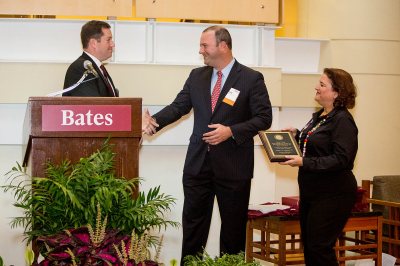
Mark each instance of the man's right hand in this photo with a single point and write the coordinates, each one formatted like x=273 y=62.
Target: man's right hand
x=149 y=124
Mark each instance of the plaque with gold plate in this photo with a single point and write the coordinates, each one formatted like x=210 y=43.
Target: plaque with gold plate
x=278 y=144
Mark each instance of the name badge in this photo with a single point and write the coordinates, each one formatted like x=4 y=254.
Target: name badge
x=231 y=96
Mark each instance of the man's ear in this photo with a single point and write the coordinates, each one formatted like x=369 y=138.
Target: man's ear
x=92 y=43
x=223 y=45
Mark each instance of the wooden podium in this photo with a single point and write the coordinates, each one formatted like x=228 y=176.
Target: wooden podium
x=59 y=128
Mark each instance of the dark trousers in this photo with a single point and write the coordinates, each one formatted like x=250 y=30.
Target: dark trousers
x=233 y=199
x=322 y=221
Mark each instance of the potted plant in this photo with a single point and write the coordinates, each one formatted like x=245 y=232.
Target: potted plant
x=70 y=197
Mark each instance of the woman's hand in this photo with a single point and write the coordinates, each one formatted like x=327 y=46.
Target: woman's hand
x=293 y=160
x=291 y=130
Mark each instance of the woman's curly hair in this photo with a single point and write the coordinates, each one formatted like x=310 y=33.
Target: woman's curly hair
x=342 y=83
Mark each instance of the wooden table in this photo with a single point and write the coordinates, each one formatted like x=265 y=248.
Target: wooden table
x=280 y=241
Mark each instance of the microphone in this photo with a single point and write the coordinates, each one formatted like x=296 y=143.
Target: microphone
x=88 y=65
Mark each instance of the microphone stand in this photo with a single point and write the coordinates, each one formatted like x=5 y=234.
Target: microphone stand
x=73 y=86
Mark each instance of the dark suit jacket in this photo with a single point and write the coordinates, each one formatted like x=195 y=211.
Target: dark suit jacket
x=93 y=88
x=233 y=158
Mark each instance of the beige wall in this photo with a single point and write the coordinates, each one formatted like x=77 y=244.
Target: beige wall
x=349 y=19
x=377 y=115
x=266 y=11
x=297 y=90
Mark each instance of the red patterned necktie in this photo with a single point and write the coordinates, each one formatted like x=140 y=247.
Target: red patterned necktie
x=216 y=91
x=108 y=84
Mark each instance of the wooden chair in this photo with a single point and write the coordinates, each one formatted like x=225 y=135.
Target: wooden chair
x=385 y=190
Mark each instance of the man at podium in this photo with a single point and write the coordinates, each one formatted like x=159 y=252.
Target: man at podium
x=87 y=76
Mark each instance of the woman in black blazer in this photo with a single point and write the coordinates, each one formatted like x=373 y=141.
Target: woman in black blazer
x=327 y=185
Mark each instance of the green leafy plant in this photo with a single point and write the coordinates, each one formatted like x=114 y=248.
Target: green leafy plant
x=67 y=196
x=224 y=260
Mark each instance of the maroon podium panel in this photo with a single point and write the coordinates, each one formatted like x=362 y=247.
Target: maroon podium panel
x=59 y=128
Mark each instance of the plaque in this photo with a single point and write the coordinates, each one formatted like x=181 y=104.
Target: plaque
x=278 y=144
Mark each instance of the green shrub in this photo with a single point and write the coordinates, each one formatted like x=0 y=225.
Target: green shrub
x=67 y=197
x=224 y=260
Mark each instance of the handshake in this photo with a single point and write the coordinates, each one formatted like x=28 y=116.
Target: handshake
x=149 y=124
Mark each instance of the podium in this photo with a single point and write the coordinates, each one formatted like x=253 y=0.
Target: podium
x=60 y=128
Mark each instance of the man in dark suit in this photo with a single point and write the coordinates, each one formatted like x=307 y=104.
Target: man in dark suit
x=97 y=46
x=220 y=156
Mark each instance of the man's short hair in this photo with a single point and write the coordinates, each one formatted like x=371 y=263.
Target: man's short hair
x=93 y=30
x=221 y=35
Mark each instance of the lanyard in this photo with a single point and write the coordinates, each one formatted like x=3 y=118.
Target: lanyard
x=309 y=133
